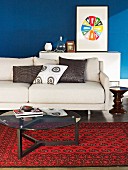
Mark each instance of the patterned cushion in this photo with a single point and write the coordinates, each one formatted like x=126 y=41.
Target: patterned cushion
x=25 y=74
x=50 y=74
x=75 y=72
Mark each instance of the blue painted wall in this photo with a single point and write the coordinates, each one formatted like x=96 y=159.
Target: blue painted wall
x=26 y=25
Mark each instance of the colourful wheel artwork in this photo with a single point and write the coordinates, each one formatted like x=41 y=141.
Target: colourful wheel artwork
x=92 y=28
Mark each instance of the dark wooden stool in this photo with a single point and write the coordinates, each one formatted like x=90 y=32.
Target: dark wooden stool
x=118 y=95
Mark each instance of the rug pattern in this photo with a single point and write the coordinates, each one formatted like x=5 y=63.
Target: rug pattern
x=100 y=144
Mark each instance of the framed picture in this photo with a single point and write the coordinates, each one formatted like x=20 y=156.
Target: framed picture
x=92 y=28
x=70 y=46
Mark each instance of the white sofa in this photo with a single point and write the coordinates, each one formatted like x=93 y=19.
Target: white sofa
x=92 y=95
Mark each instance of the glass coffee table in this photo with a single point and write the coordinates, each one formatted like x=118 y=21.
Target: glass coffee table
x=40 y=123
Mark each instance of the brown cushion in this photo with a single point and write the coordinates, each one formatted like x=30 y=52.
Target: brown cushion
x=25 y=74
x=75 y=71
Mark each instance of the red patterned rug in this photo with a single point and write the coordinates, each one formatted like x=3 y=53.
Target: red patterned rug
x=100 y=144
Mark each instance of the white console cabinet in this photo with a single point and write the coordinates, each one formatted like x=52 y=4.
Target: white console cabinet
x=111 y=61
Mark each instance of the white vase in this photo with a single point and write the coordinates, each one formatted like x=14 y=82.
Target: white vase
x=48 y=47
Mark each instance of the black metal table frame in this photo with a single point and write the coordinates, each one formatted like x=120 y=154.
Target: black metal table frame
x=38 y=143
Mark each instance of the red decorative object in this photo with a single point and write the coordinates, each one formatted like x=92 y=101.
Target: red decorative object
x=101 y=144
x=27 y=108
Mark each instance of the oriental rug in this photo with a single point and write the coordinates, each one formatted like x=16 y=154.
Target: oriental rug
x=100 y=144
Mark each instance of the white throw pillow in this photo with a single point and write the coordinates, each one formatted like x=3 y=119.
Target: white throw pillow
x=50 y=74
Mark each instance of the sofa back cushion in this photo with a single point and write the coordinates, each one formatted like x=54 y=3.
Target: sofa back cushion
x=92 y=70
x=6 y=66
x=92 y=66
x=41 y=61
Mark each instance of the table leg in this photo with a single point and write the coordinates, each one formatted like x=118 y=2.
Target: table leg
x=19 y=136
x=38 y=143
x=77 y=133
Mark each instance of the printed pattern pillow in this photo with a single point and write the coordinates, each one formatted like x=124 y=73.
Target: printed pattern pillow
x=25 y=74
x=50 y=74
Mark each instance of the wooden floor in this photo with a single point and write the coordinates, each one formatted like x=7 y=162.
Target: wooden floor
x=95 y=116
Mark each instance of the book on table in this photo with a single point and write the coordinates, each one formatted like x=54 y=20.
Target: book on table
x=39 y=112
x=33 y=113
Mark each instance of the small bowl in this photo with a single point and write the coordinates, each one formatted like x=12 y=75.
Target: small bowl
x=26 y=108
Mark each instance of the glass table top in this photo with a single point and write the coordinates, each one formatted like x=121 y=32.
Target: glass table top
x=40 y=122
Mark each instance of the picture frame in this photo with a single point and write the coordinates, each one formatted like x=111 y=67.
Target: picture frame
x=92 y=28
x=70 y=45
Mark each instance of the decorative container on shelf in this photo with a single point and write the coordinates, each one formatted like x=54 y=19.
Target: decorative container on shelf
x=48 y=47
x=61 y=47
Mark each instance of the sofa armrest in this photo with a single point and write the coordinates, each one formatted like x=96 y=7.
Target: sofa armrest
x=104 y=80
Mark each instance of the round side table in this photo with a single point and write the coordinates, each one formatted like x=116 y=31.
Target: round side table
x=118 y=95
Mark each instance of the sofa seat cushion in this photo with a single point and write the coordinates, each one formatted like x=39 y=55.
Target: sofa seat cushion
x=89 y=92
x=13 y=92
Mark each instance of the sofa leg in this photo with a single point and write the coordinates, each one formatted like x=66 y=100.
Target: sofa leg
x=89 y=114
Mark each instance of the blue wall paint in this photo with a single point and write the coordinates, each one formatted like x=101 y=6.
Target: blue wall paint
x=118 y=38
x=26 y=25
